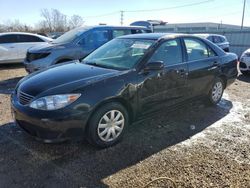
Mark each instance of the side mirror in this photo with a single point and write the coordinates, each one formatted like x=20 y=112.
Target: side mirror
x=156 y=65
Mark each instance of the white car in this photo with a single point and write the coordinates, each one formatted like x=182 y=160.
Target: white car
x=14 y=45
x=245 y=62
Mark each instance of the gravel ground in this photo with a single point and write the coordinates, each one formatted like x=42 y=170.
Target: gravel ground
x=196 y=146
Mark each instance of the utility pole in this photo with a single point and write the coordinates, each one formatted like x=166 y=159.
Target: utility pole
x=243 y=15
x=122 y=12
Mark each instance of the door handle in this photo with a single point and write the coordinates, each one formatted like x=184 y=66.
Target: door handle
x=214 y=66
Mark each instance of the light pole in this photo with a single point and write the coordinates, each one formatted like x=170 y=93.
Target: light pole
x=122 y=17
x=243 y=15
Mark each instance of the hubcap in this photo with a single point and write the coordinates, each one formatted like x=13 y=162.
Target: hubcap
x=217 y=91
x=111 y=125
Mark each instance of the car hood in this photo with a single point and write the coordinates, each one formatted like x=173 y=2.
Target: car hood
x=71 y=75
x=46 y=47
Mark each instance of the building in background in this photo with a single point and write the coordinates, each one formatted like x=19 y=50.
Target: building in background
x=239 y=39
x=197 y=27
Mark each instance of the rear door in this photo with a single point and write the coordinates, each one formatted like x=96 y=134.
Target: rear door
x=203 y=65
x=8 y=48
x=25 y=42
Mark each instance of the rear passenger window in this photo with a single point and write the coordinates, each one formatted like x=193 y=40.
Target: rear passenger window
x=121 y=32
x=95 y=39
x=196 y=49
x=169 y=53
x=217 y=39
x=29 y=38
x=8 y=39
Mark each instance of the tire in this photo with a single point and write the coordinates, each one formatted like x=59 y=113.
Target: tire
x=216 y=92
x=100 y=131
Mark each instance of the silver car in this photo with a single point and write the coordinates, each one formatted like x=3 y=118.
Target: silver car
x=14 y=45
x=219 y=40
x=75 y=45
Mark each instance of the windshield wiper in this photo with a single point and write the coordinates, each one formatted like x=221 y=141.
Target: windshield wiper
x=98 y=65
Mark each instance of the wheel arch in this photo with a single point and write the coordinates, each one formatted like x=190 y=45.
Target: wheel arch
x=224 y=79
x=119 y=100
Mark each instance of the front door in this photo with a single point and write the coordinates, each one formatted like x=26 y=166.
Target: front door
x=168 y=86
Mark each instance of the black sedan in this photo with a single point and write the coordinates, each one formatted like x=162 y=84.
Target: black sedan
x=128 y=77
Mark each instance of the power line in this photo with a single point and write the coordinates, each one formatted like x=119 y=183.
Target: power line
x=102 y=15
x=173 y=7
x=148 y=10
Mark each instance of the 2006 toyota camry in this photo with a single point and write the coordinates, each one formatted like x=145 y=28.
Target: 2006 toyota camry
x=127 y=77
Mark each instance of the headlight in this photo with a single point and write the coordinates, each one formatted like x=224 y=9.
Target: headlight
x=54 y=102
x=246 y=54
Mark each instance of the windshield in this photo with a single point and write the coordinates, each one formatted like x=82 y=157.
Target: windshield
x=70 y=35
x=119 y=53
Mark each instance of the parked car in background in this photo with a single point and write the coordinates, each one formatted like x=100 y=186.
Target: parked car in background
x=55 y=35
x=219 y=40
x=75 y=45
x=14 y=45
x=128 y=77
x=245 y=62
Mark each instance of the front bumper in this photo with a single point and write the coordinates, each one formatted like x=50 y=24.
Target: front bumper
x=50 y=126
x=244 y=63
x=36 y=65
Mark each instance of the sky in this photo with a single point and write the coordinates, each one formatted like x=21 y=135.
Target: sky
x=108 y=11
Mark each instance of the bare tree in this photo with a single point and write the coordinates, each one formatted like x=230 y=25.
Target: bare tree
x=54 y=20
x=47 y=22
x=15 y=25
x=75 y=21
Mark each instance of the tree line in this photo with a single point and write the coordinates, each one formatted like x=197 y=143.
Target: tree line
x=52 y=21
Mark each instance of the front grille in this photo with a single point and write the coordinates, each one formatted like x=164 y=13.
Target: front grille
x=24 y=98
x=34 y=56
x=243 y=65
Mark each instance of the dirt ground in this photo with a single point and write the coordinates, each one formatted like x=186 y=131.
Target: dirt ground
x=196 y=146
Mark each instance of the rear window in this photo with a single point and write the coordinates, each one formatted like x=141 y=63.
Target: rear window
x=121 y=32
x=29 y=38
x=217 y=39
x=8 y=39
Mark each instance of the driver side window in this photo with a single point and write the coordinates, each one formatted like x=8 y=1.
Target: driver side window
x=169 y=53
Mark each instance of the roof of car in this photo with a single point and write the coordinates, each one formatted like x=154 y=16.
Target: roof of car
x=25 y=33
x=111 y=26
x=154 y=36
x=205 y=35
x=16 y=33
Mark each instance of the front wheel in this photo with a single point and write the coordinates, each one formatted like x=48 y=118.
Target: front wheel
x=107 y=125
x=216 y=92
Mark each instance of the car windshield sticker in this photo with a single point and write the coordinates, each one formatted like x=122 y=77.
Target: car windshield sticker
x=140 y=45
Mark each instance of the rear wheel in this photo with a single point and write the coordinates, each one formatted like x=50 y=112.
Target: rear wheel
x=107 y=125
x=216 y=92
